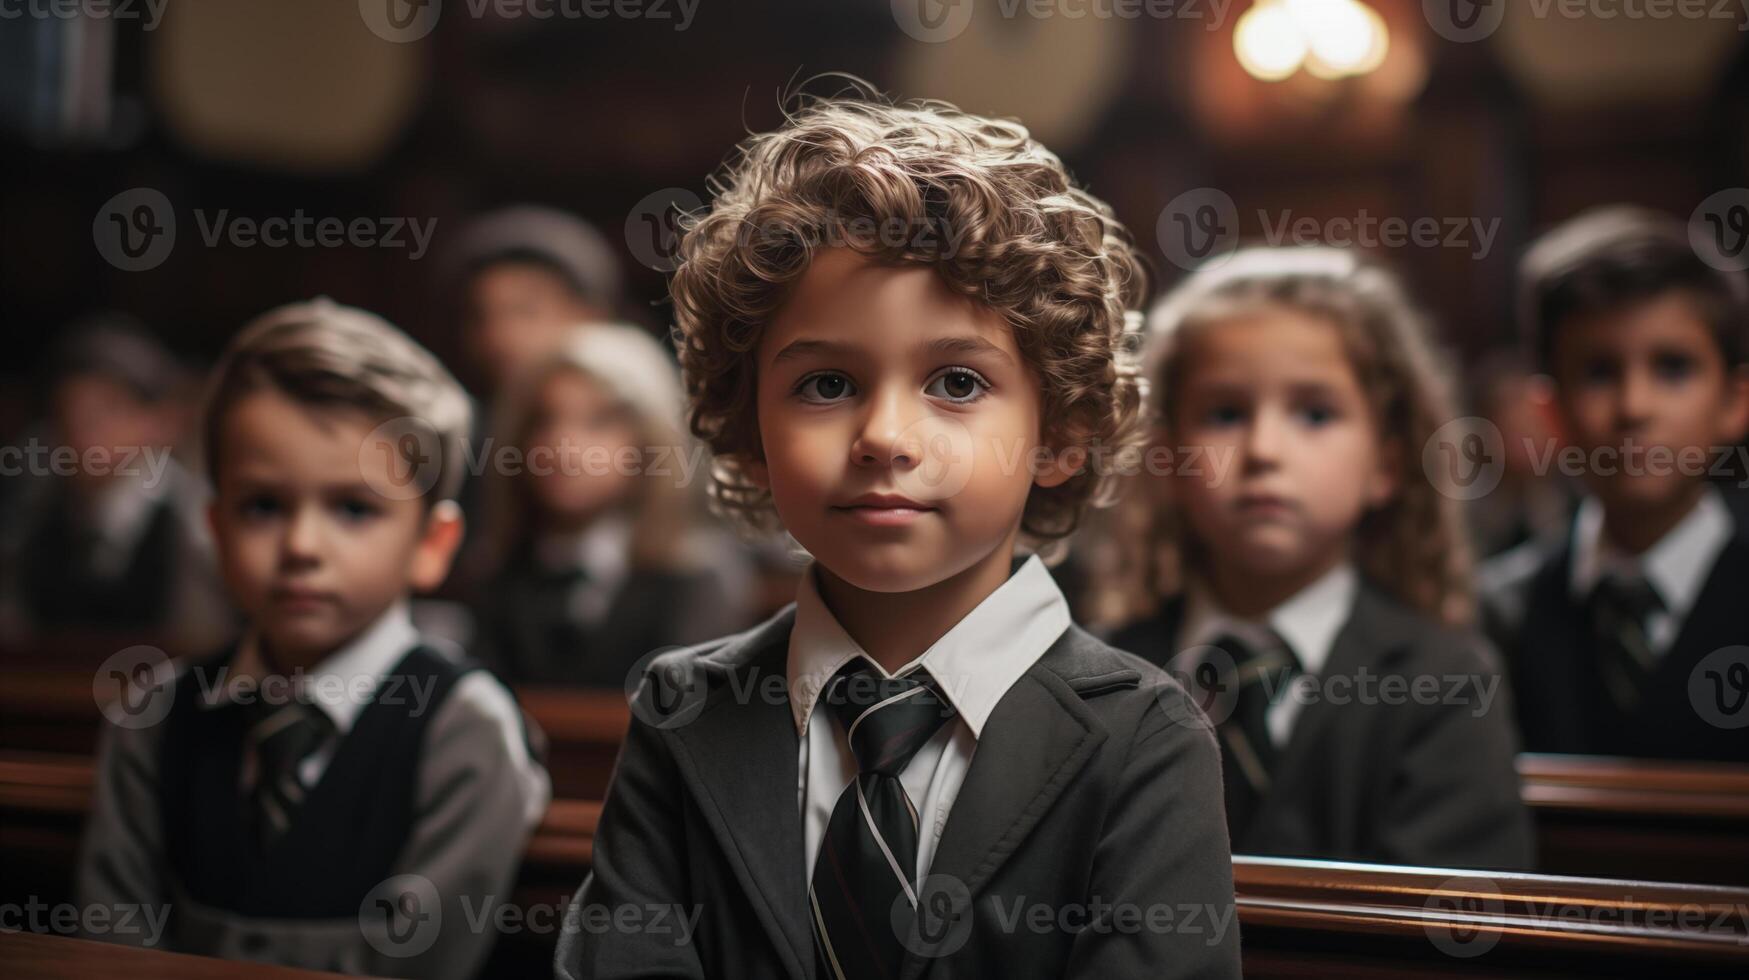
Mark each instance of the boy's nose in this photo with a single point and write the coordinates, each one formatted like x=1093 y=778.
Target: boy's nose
x=1263 y=439
x=1633 y=399
x=303 y=536
x=887 y=435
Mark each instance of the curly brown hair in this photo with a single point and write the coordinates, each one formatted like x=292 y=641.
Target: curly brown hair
x=1415 y=546
x=994 y=213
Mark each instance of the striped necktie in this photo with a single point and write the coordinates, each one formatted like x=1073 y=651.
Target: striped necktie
x=283 y=736
x=868 y=857
x=1260 y=675
x=1621 y=604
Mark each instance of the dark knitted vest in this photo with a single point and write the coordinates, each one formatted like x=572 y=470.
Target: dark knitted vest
x=344 y=838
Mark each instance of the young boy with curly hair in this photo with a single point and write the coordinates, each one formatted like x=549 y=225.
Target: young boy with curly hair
x=904 y=334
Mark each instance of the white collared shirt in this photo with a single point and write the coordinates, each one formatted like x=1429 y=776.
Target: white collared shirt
x=345 y=681
x=603 y=551
x=1676 y=566
x=1308 y=622
x=974 y=664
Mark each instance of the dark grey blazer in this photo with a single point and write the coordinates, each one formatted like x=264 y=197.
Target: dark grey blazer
x=1563 y=705
x=1393 y=780
x=1095 y=788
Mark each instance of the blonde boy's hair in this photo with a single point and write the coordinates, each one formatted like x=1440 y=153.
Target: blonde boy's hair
x=328 y=356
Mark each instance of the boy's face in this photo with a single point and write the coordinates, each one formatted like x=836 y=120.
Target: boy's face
x=97 y=414
x=516 y=313
x=579 y=440
x=1646 y=377
x=1289 y=457
x=880 y=381
x=310 y=551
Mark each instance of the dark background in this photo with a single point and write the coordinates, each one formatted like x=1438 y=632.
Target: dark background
x=263 y=107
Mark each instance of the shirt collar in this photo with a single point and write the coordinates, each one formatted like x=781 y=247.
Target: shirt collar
x=1676 y=565
x=602 y=549
x=1308 y=622
x=974 y=663
x=342 y=682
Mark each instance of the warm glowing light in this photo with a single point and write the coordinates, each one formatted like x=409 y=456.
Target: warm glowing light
x=1330 y=38
x=1268 y=42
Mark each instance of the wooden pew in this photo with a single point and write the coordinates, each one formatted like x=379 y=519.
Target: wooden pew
x=58 y=711
x=1299 y=919
x=1622 y=818
x=30 y=956
x=1639 y=818
x=1303 y=919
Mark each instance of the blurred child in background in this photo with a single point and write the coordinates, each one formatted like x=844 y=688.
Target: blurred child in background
x=528 y=275
x=1620 y=631
x=102 y=530
x=594 y=546
x=1314 y=575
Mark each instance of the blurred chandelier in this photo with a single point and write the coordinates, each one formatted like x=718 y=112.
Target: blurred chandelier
x=1330 y=39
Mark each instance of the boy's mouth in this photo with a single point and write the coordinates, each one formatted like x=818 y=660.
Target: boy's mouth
x=300 y=598
x=884 y=509
x=1265 y=505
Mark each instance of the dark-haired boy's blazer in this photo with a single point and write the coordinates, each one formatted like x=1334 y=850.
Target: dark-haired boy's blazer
x=1430 y=784
x=1563 y=705
x=1095 y=784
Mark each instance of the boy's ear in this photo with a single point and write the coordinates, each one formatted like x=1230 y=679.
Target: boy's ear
x=438 y=543
x=1544 y=400
x=1067 y=456
x=1734 y=421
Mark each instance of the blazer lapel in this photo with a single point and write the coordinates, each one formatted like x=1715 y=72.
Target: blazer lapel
x=1035 y=741
x=738 y=758
x=1373 y=632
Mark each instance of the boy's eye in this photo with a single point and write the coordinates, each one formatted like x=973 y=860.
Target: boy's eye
x=1224 y=414
x=826 y=386
x=257 y=507
x=1598 y=370
x=957 y=385
x=1317 y=414
x=355 y=509
x=1672 y=367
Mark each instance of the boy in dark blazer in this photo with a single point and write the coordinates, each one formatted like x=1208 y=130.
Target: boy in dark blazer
x=1626 y=635
x=901 y=330
x=333 y=792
